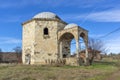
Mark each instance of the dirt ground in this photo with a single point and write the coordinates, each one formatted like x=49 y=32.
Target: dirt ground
x=114 y=76
x=97 y=71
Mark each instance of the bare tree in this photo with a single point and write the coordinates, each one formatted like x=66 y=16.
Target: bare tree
x=0 y=50
x=0 y=54
x=18 y=51
x=95 y=46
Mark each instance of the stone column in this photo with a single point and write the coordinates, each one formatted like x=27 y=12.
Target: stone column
x=77 y=47
x=86 y=52
x=61 y=50
x=86 y=44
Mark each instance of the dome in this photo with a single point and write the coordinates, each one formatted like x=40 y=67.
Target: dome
x=70 y=25
x=46 y=15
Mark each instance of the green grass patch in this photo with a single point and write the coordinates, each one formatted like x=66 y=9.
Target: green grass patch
x=97 y=71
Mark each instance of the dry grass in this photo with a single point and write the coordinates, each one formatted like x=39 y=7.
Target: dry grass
x=36 y=72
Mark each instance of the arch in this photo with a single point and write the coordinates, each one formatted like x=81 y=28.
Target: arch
x=67 y=36
x=28 y=59
x=64 y=45
x=84 y=36
x=28 y=56
x=45 y=31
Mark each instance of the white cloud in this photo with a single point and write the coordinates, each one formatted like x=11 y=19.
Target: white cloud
x=54 y=3
x=23 y=3
x=106 y=16
x=11 y=18
x=96 y=35
x=112 y=15
x=113 y=43
x=16 y=18
x=59 y=3
x=17 y=3
x=113 y=47
x=8 y=40
x=81 y=3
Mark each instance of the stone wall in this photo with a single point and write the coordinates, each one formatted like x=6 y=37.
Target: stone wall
x=28 y=41
x=41 y=47
x=72 y=61
x=66 y=49
x=45 y=45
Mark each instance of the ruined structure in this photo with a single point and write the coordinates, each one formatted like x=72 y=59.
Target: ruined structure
x=47 y=38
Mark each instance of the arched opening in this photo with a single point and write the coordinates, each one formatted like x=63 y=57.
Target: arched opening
x=73 y=47
x=70 y=47
x=82 y=35
x=65 y=45
x=28 y=59
x=46 y=31
x=82 y=42
x=83 y=48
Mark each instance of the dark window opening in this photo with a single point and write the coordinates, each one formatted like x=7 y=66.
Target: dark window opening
x=64 y=55
x=45 y=31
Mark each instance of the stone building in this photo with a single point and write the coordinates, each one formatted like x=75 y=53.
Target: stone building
x=46 y=37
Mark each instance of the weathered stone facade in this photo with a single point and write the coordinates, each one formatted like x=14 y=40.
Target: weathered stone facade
x=46 y=37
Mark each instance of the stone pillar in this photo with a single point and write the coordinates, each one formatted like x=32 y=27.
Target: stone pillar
x=86 y=55
x=61 y=56
x=86 y=52
x=77 y=47
x=86 y=44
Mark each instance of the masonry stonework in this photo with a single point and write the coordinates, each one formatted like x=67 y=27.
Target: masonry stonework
x=47 y=38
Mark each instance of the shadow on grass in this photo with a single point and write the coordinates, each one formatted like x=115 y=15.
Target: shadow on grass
x=105 y=63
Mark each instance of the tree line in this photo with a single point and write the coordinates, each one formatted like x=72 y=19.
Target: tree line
x=11 y=57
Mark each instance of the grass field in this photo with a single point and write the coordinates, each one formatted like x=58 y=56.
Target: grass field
x=98 y=71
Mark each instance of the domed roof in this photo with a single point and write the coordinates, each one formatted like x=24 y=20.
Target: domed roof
x=46 y=15
x=70 y=25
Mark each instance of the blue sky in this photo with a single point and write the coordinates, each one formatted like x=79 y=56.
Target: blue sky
x=99 y=17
